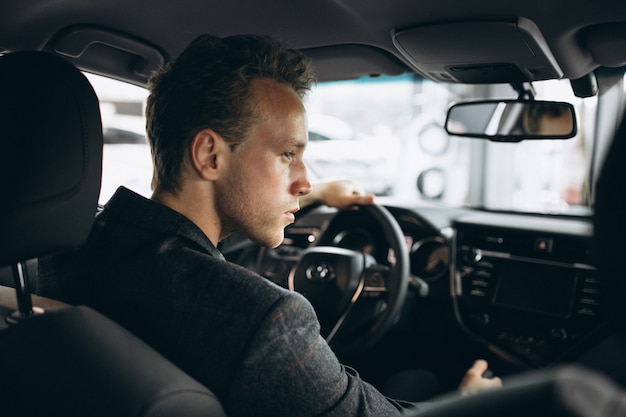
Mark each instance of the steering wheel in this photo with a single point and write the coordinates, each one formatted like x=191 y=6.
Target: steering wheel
x=356 y=298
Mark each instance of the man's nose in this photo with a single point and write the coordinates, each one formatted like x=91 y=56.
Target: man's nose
x=302 y=185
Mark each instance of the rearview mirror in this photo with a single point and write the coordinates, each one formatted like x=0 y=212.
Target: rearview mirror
x=512 y=120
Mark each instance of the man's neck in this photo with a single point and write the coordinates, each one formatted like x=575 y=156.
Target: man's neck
x=196 y=208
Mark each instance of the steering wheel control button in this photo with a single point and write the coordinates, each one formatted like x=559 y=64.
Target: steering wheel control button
x=375 y=279
x=375 y=282
x=320 y=273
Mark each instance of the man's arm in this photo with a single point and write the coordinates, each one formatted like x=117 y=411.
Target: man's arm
x=289 y=370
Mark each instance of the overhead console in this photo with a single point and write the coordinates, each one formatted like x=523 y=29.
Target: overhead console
x=478 y=52
x=527 y=287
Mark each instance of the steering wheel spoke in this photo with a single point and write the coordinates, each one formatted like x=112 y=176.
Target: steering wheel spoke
x=276 y=265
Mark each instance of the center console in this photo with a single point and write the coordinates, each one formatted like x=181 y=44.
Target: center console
x=526 y=287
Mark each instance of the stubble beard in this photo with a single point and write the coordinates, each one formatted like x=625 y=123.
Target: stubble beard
x=236 y=214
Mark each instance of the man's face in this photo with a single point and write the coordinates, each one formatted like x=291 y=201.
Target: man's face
x=265 y=175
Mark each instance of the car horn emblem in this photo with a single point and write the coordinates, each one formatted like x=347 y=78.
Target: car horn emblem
x=320 y=272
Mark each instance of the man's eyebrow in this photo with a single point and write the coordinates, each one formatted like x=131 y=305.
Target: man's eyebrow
x=296 y=143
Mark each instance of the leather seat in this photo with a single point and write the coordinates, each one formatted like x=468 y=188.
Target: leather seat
x=69 y=360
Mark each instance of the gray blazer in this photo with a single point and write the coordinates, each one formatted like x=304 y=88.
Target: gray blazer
x=254 y=344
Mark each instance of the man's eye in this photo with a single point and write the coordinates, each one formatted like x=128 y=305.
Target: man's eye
x=289 y=155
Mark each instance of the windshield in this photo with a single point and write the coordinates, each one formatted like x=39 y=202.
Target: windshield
x=386 y=133
x=398 y=147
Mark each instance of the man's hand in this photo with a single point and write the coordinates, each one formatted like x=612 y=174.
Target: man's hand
x=473 y=381
x=343 y=194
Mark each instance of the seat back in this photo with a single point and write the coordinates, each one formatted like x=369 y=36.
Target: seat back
x=70 y=361
x=75 y=362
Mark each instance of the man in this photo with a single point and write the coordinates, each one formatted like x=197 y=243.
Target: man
x=227 y=130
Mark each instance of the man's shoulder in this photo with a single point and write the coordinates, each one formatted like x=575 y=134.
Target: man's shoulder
x=130 y=216
x=235 y=281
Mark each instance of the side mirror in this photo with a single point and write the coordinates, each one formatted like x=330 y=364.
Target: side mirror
x=512 y=120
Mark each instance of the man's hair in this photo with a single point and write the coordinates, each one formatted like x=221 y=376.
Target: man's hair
x=209 y=86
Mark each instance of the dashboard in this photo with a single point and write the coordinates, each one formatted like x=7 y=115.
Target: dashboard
x=526 y=286
x=523 y=287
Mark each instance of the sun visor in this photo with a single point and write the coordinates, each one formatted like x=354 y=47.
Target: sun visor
x=344 y=62
x=479 y=52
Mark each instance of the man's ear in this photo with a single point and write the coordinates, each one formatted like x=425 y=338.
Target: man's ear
x=206 y=147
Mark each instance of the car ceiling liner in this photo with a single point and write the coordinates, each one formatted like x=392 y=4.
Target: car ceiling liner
x=607 y=43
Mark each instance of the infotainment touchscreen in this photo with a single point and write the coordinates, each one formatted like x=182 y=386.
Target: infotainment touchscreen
x=543 y=289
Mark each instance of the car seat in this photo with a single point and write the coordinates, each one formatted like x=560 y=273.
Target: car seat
x=65 y=360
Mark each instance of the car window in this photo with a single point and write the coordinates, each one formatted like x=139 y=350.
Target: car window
x=401 y=149
x=386 y=133
x=126 y=155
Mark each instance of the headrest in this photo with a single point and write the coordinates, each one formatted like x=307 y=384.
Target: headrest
x=50 y=156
